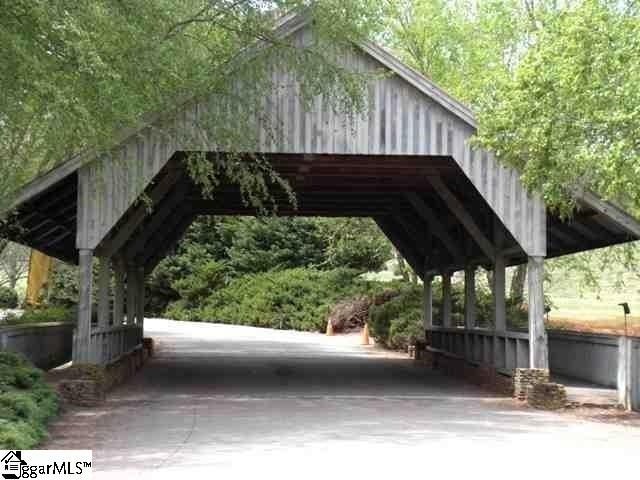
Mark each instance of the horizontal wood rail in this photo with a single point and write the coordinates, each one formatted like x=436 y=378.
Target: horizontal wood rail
x=504 y=351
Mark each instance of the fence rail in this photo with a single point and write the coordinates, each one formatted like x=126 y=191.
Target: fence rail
x=109 y=344
x=501 y=350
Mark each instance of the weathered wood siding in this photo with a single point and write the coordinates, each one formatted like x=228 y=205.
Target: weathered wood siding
x=400 y=120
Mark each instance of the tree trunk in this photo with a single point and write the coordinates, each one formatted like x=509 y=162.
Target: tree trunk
x=489 y=274
x=517 y=283
x=402 y=266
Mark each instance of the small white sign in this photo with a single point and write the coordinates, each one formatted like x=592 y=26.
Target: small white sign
x=45 y=464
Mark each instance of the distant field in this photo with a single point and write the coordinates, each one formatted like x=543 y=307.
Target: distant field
x=582 y=308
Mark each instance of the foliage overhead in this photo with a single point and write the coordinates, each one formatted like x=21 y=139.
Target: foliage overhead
x=77 y=73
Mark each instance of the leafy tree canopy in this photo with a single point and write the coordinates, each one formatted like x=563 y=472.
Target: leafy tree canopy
x=75 y=73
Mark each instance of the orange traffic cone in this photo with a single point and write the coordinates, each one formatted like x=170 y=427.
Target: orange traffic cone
x=329 y=329
x=365 y=335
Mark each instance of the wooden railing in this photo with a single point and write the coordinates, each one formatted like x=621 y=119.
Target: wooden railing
x=109 y=344
x=501 y=350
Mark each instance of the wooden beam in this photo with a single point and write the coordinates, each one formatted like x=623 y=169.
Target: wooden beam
x=411 y=230
x=158 y=218
x=406 y=250
x=435 y=226
x=115 y=242
x=627 y=222
x=460 y=212
x=170 y=241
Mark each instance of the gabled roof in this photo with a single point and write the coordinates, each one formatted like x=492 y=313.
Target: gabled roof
x=286 y=26
x=55 y=194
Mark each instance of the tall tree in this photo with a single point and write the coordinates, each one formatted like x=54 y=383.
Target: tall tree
x=576 y=86
x=75 y=73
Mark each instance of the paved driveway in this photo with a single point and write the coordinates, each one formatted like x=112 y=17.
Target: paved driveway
x=237 y=402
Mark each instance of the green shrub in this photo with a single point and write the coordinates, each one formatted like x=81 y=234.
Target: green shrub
x=40 y=315
x=26 y=403
x=297 y=298
x=8 y=298
x=398 y=322
x=206 y=278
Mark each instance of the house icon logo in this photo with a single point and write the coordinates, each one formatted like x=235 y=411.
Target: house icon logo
x=11 y=465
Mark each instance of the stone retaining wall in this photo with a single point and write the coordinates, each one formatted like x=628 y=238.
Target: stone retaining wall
x=87 y=384
x=547 y=396
x=525 y=378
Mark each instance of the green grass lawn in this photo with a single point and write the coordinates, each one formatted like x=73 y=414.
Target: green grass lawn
x=578 y=306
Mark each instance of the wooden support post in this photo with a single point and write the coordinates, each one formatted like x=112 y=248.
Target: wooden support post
x=104 y=285
x=499 y=295
x=82 y=347
x=446 y=299
x=140 y=298
x=470 y=297
x=625 y=377
x=428 y=302
x=131 y=293
x=118 y=294
x=538 y=349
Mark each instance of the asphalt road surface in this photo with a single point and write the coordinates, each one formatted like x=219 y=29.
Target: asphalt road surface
x=226 y=402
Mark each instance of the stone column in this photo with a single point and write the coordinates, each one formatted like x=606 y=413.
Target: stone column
x=82 y=346
x=538 y=349
x=446 y=299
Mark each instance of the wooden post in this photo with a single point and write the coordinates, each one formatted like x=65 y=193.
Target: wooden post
x=82 y=347
x=428 y=302
x=538 y=349
x=469 y=309
x=140 y=298
x=625 y=378
x=499 y=295
x=470 y=297
x=131 y=294
x=104 y=285
x=446 y=299
x=118 y=294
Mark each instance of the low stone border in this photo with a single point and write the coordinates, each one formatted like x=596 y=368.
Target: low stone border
x=525 y=378
x=518 y=385
x=547 y=396
x=88 y=384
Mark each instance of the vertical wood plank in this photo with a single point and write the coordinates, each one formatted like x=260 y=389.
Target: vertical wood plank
x=538 y=348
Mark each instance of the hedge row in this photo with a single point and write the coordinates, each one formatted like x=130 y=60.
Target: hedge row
x=26 y=403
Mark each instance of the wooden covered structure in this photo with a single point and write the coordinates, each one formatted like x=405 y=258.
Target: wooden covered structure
x=407 y=163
